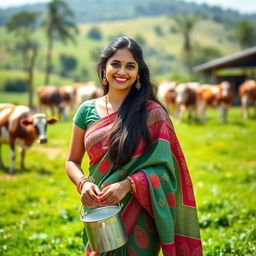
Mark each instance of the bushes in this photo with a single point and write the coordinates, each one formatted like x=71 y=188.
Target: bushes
x=15 y=85
x=95 y=33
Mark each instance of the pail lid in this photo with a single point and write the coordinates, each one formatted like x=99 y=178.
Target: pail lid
x=100 y=213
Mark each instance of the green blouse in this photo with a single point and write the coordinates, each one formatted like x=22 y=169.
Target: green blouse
x=86 y=114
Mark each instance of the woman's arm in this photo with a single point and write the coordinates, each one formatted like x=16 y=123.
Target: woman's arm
x=89 y=191
x=75 y=155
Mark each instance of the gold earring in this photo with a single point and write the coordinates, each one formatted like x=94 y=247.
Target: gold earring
x=138 y=84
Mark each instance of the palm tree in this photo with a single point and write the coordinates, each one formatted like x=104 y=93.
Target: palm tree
x=57 y=24
x=245 y=34
x=23 y=24
x=185 y=25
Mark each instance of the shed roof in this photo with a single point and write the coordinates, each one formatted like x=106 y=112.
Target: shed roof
x=245 y=58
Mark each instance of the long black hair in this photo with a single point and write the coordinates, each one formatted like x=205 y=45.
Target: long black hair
x=130 y=127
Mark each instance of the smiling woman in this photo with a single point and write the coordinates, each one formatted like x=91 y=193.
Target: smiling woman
x=135 y=160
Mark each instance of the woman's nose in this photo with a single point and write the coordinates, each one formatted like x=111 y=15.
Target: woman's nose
x=122 y=70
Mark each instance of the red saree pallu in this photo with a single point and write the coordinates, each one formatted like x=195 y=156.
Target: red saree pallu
x=162 y=211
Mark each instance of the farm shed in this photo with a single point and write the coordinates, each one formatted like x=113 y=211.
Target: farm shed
x=235 y=68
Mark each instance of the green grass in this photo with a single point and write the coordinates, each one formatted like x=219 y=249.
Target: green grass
x=39 y=205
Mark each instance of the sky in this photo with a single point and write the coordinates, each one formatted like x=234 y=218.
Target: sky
x=243 y=6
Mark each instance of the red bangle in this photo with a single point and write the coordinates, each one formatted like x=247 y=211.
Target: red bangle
x=81 y=182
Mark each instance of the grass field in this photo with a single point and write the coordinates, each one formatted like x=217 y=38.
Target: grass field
x=39 y=205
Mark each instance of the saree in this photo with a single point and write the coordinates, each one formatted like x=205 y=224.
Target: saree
x=161 y=213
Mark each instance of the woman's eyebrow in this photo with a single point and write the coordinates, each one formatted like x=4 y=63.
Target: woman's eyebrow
x=131 y=62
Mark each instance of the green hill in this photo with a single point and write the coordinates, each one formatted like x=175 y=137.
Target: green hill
x=162 y=52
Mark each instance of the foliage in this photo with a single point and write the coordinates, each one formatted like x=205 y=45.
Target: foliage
x=95 y=33
x=58 y=23
x=159 y=31
x=140 y=39
x=68 y=64
x=39 y=205
x=185 y=24
x=23 y=25
x=15 y=85
x=161 y=53
x=205 y=54
x=246 y=34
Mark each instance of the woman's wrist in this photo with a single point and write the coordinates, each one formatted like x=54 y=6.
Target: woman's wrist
x=80 y=182
x=132 y=184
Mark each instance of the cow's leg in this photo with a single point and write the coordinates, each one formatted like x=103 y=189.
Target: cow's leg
x=244 y=106
x=22 y=157
x=201 y=110
x=190 y=115
x=62 y=111
x=223 y=113
x=13 y=155
x=1 y=160
x=180 y=112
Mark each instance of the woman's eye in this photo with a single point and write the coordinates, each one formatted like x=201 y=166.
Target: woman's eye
x=115 y=65
x=130 y=66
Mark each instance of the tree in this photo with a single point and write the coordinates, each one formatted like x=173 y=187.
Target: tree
x=205 y=54
x=68 y=64
x=59 y=23
x=246 y=34
x=185 y=25
x=95 y=33
x=23 y=24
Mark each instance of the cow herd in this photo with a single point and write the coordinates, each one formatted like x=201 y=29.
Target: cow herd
x=195 y=98
x=63 y=100
x=19 y=125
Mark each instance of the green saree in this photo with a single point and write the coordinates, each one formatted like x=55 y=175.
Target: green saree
x=162 y=211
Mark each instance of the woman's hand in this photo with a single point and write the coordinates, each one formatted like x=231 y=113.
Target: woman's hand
x=115 y=192
x=89 y=194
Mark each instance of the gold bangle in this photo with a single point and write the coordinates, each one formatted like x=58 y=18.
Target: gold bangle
x=132 y=184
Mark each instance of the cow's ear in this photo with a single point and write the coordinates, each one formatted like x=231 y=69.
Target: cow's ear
x=52 y=120
x=26 y=122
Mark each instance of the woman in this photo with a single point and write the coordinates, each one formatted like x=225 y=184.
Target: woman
x=135 y=159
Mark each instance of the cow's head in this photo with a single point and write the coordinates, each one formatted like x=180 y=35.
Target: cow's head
x=181 y=93
x=225 y=88
x=39 y=123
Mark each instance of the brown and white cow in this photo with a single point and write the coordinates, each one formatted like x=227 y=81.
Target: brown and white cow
x=87 y=92
x=186 y=100
x=219 y=95
x=247 y=92
x=19 y=126
x=166 y=94
x=55 y=98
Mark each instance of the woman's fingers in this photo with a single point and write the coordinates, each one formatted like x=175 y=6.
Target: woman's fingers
x=89 y=194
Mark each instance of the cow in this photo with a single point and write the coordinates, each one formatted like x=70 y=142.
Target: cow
x=55 y=98
x=166 y=94
x=247 y=92
x=68 y=96
x=186 y=100
x=19 y=126
x=218 y=95
x=87 y=92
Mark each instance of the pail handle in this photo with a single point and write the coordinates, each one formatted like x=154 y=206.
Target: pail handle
x=81 y=207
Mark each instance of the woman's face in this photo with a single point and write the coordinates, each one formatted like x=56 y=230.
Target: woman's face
x=121 y=70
